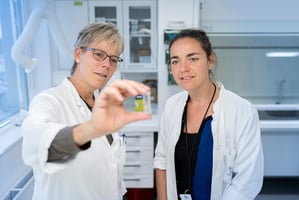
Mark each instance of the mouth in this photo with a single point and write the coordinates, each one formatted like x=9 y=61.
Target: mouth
x=101 y=75
x=186 y=78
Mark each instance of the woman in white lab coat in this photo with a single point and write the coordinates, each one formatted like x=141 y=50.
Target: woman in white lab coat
x=209 y=144
x=69 y=134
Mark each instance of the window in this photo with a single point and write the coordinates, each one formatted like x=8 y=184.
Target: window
x=13 y=92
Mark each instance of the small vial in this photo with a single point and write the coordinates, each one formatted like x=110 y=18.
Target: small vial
x=142 y=103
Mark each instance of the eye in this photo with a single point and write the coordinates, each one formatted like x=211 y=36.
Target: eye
x=174 y=62
x=114 y=60
x=100 y=55
x=193 y=59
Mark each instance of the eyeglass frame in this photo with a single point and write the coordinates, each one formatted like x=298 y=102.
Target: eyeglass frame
x=119 y=59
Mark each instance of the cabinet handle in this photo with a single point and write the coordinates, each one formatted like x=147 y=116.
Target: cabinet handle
x=133 y=136
x=133 y=151
x=200 y=15
x=132 y=179
x=132 y=165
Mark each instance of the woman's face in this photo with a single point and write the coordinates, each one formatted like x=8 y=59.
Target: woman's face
x=189 y=63
x=94 y=73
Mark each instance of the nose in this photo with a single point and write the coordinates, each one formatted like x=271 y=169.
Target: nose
x=106 y=63
x=183 y=65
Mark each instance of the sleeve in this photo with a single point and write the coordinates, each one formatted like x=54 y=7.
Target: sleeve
x=63 y=147
x=248 y=166
x=160 y=151
x=39 y=128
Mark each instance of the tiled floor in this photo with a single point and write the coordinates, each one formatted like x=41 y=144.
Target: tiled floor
x=280 y=189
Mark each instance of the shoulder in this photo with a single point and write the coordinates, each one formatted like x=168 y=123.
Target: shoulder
x=179 y=98
x=232 y=103
x=54 y=94
x=230 y=98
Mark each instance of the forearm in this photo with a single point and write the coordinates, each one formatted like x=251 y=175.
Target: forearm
x=63 y=146
x=83 y=133
x=161 y=184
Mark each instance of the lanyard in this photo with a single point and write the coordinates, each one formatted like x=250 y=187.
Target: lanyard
x=189 y=157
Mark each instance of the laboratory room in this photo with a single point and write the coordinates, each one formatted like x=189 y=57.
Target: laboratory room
x=96 y=96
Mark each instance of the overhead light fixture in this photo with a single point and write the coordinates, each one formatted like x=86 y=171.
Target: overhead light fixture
x=282 y=54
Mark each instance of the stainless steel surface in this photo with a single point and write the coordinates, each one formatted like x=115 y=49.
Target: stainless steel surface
x=278 y=114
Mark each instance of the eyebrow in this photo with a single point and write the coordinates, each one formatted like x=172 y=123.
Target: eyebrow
x=192 y=54
x=188 y=55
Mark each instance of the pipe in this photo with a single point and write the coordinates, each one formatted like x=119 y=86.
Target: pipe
x=26 y=37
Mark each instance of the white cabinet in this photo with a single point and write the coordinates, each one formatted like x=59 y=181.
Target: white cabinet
x=246 y=16
x=281 y=152
x=138 y=170
x=137 y=20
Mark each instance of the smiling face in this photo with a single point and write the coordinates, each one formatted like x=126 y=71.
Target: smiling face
x=92 y=73
x=190 y=64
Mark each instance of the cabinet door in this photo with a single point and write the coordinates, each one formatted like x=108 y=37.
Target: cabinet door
x=107 y=11
x=140 y=34
x=246 y=16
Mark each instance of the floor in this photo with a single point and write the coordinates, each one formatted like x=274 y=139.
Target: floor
x=280 y=189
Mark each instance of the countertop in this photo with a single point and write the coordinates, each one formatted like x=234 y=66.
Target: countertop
x=151 y=125
x=280 y=125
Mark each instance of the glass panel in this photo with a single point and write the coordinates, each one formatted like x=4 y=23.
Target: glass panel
x=140 y=34
x=105 y=14
x=12 y=78
x=259 y=78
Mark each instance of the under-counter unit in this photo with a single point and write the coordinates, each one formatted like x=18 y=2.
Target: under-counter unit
x=137 y=20
x=138 y=170
x=280 y=138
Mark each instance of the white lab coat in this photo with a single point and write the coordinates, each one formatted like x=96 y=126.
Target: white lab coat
x=95 y=173
x=238 y=163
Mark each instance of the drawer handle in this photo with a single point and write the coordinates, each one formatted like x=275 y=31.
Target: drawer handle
x=132 y=179
x=132 y=165
x=133 y=151
x=133 y=136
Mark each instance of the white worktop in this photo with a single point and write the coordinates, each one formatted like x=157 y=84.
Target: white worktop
x=278 y=125
x=151 y=125
x=276 y=106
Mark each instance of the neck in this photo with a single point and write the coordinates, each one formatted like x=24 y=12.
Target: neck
x=86 y=93
x=204 y=96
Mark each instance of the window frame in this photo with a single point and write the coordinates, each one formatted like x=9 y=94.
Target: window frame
x=15 y=75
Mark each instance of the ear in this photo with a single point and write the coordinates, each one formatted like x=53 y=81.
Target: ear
x=211 y=61
x=77 y=54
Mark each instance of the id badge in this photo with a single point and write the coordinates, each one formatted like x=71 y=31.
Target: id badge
x=185 y=197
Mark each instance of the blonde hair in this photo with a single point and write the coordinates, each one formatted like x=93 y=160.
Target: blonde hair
x=97 y=32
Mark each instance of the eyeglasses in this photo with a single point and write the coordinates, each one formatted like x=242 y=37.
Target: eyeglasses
x=100 y=56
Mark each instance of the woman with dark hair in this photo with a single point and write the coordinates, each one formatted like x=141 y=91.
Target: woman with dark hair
x=209 y=144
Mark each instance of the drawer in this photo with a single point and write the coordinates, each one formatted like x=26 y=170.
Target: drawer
x=139 y=153
x=139 y=181
x=137 y=167
x=140 y=139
